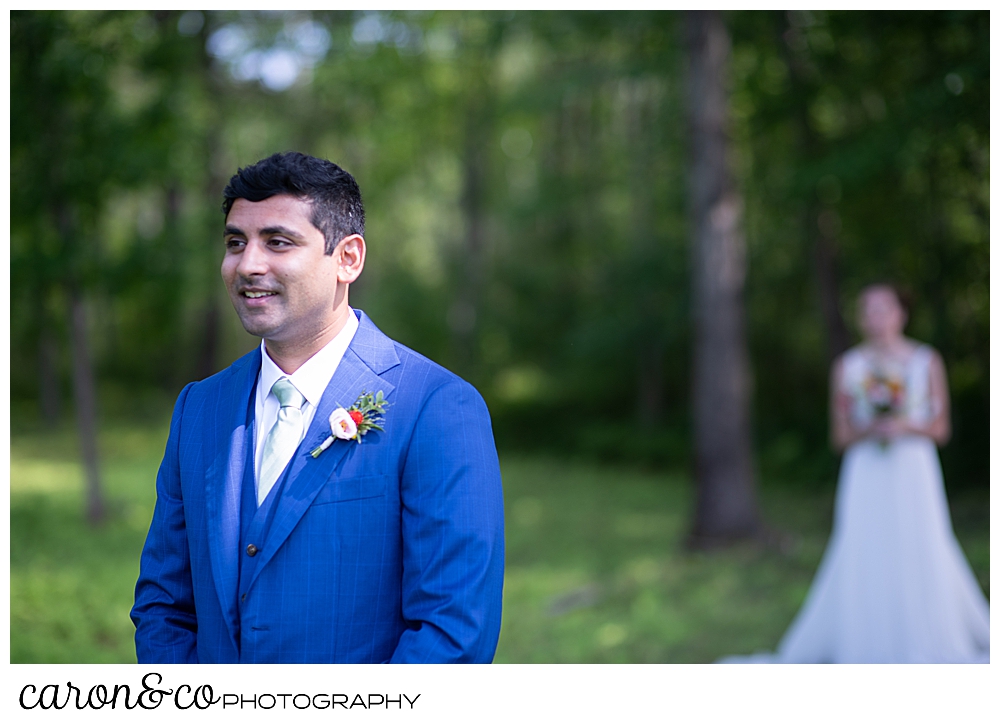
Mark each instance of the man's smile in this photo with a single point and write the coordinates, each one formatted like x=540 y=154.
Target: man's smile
x=280 y=278
x=256 y=299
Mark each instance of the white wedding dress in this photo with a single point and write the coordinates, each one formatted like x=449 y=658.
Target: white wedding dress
x=893 y=585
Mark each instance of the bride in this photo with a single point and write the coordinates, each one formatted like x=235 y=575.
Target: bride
x=893 y=585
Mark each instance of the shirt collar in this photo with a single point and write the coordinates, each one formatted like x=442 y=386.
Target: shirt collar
x=313 y=377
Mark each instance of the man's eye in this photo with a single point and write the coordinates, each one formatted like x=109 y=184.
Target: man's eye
x=278 y=242
x=234 y=243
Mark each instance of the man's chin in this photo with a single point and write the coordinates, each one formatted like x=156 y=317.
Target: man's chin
x=256 y=326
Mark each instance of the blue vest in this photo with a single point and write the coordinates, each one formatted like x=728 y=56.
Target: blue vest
x=255 y=521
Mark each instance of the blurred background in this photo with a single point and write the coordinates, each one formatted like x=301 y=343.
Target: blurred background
x=539 y=189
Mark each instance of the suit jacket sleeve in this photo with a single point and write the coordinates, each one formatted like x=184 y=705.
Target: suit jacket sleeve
x=452 y=527
x=164 y=611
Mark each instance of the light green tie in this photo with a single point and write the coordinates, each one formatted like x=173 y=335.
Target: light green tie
x=283 y=438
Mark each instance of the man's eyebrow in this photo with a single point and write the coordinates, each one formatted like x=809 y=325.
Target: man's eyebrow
x=266 y=231
x=283 y=230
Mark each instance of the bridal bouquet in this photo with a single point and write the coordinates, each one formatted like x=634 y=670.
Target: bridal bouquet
x=885 y=394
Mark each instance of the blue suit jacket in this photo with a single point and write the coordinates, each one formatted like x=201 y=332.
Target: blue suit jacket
x=391 y=550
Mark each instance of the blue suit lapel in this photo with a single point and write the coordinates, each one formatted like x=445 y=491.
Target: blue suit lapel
x=369 y=354
x=223 y=483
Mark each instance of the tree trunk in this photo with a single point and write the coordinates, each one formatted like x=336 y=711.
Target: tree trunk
x=828 y=286
x=84 y=394
x=48 y=376
x=208 y=339
x=649 y=393
x=208 y=335
x=726 y=506
x=86 y=405
x=464 y=313
x=208 y=342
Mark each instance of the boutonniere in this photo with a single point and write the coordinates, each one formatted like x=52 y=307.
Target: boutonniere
x=367 y=413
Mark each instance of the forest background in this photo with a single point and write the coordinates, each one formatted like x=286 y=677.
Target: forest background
x=525 y=176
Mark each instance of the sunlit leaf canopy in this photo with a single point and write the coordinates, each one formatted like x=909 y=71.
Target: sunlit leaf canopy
x=524 y=175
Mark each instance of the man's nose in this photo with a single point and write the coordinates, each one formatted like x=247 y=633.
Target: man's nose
x=253 y=260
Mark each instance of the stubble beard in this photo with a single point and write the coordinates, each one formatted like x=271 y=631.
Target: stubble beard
x=255 y=323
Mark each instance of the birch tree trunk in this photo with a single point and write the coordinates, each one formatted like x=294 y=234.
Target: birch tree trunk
x=726 y=507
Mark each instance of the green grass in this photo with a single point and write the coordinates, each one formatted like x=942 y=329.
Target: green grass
x=71 y=585
x=595 y=567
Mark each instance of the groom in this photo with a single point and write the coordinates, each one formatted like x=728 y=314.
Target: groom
x=287 y=528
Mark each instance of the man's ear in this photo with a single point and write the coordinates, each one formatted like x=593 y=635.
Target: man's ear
x=351 y=258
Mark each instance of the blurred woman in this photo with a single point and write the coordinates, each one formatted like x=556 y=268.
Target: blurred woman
x=893 y=585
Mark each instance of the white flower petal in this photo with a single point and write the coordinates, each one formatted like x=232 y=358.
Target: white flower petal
x=342 y=425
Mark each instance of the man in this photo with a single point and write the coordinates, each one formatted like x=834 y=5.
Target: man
x=287 y=528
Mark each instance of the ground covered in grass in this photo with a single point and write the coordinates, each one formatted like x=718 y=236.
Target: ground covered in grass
x=596 y=569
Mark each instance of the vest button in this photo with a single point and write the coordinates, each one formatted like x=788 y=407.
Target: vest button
x=251 y=550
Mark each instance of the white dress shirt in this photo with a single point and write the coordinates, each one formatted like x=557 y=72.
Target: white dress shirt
x=311 y=379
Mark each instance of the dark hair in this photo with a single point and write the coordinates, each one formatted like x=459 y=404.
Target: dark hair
x=333 y=193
